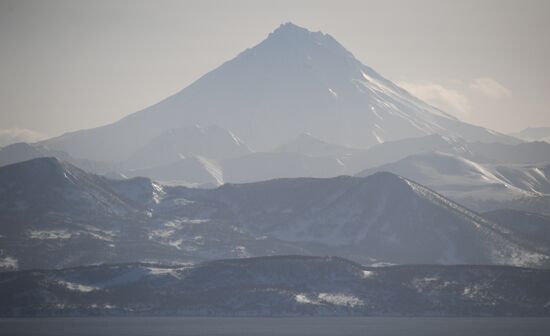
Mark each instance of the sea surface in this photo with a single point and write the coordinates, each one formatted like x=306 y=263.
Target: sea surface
x=159 y=326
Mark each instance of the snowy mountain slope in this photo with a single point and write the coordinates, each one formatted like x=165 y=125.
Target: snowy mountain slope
x=392 y=151
x=200 y=171
x=535 y=179
x=537 y=152
x=176 y=144
x=191 y=171
x=494 y=153
x=293 y=82
x=307 y=144
x=277 y=286
x=263 y=166
x=56 y=215
x=469 y=182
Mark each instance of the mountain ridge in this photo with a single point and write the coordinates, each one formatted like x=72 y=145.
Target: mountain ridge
x=480 y=186
x=380 y=218
x=293 y=286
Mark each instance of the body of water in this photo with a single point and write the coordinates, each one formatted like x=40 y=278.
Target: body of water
x=160 y=326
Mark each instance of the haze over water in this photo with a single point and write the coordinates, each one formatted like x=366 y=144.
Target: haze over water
x=314 y=326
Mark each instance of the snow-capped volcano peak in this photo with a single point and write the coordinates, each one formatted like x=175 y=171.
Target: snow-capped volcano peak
x=289 y=29
x=293 y=82
x=290 y=33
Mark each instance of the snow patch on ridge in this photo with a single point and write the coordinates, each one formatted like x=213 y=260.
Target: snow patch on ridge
x=158 y=193
x=8 y=263
x=337 y=299
x=173 y=272
x=49 y=234
x=214 y=169
x=340 y=299
x=76 y=287
x=367 y=274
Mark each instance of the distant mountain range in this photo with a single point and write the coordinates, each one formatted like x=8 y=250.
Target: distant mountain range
x=479 y=186
x=277 y=286
x=193 y=160
x=56 y=215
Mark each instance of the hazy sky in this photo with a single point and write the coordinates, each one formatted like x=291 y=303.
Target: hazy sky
x=67 y=65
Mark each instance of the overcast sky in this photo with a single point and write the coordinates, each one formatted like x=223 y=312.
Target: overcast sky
x=68 y=65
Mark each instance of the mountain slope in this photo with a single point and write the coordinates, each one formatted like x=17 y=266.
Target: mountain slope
x=294 y=82
x=191 y=171
x=201 y=172
x=392 y=151
x=277 y=286
x=530 y=227
x=47 y=185
x=381 y=217
x=212 y=142
x=307 y=144
x=263 y=166
x=53 y=214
